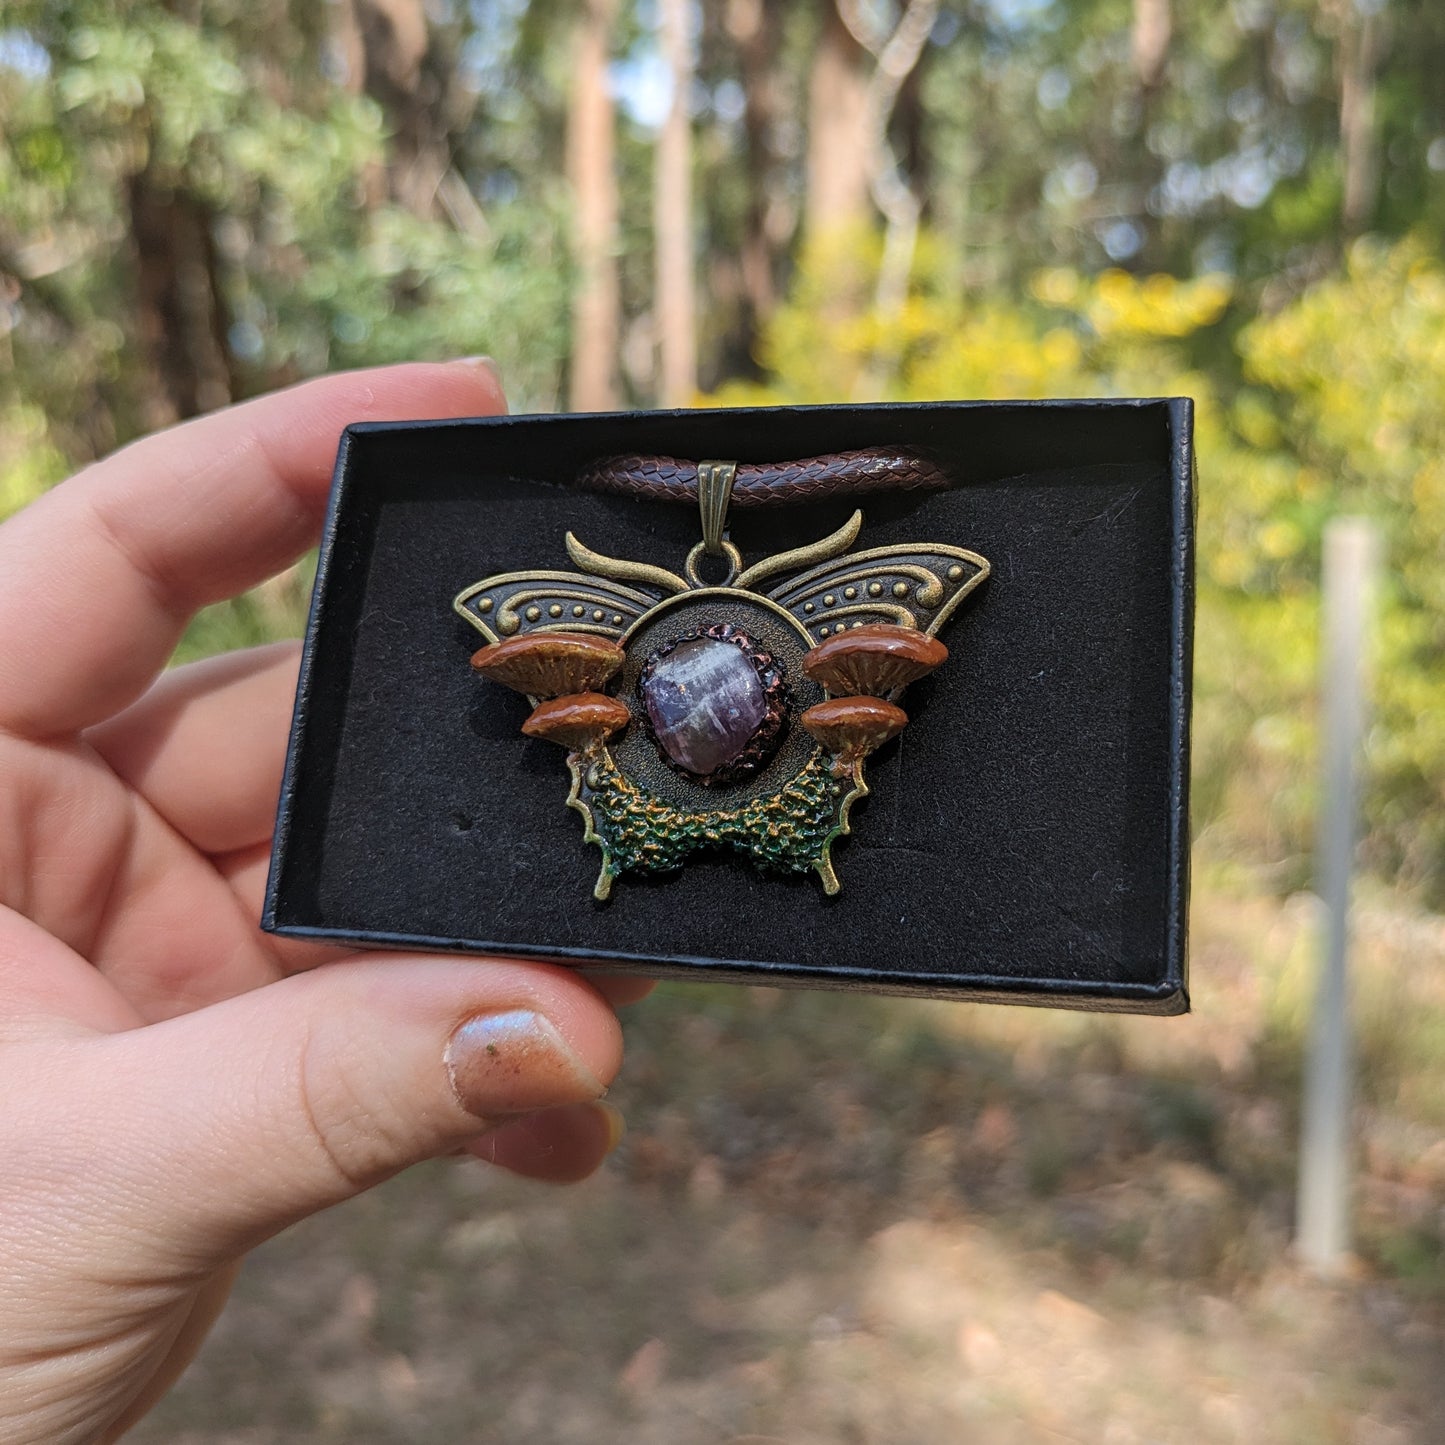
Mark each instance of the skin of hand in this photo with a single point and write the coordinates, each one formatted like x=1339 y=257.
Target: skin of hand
x=175 y=1086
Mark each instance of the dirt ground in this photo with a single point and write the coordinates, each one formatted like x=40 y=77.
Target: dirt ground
x=849 y=1221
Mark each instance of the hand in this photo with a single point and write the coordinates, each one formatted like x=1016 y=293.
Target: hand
x=174 y=1085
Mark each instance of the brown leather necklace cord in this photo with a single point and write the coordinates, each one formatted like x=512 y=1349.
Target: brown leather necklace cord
x=759 y=484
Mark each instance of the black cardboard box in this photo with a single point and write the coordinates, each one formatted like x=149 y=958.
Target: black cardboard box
x=1026 y=839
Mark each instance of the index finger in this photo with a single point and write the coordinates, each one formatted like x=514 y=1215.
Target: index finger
x=102 y=574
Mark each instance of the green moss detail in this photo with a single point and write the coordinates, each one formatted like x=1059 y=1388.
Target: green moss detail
x=787 y=832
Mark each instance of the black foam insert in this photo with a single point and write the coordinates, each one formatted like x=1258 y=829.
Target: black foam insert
x=1025 y=838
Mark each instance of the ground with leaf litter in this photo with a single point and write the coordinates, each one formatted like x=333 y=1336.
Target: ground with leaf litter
x=848 y=1221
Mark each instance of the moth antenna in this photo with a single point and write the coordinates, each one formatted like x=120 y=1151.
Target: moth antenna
x=830 y=546
x=618 y=570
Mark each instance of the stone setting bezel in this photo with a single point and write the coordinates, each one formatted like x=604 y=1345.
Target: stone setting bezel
x=765 y=738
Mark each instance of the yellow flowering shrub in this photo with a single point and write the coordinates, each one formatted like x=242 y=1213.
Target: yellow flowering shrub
x=1334 y=403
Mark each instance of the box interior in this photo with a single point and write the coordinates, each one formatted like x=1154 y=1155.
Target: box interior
x=1025 y=837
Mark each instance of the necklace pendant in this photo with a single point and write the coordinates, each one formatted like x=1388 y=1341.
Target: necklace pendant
x=734 y=715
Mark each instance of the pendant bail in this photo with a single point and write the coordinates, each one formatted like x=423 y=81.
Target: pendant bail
x=714 y=493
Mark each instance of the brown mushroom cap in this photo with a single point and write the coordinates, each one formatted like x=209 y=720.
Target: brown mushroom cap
x=875 y=660
x=550 y=664
x=852 y=727
x=577 y=721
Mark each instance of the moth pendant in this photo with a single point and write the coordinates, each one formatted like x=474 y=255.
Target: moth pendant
x=734 y=714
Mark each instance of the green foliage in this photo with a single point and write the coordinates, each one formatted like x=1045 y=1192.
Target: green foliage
x=1044 y=148
x=1355 y=374
x=408 y=289
x=1339 y=406
x=28 y=462
x=276 y=609
x=1046 y=162
x=317 y=270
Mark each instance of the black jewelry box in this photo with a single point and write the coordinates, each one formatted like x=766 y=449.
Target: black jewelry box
x=1026 y=839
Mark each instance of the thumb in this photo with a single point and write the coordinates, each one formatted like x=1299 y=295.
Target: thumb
x=217 y=1128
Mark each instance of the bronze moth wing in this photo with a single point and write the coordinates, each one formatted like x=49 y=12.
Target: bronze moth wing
x=910 y=586
x=518 y=602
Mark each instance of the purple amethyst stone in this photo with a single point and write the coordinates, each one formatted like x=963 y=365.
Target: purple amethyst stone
x=705 y=703
x=713 y=702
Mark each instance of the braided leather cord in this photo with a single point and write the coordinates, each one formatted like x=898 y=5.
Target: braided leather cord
x=810 y=479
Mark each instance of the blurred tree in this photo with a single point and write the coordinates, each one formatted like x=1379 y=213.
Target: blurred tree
x=1127 y=132
x=199 y=199
x=836 y=193
x=1153 y=26
x=380 y=47
x=675 y=305
x=392 y=52
x=755 y=29
x=1359 y=49
x=181 y=315
x=189 y=210
x=896 y=52
x=1354 y=372
x=1336 y=402
x=592 y=171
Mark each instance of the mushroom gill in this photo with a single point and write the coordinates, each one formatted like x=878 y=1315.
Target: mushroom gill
x=874 y=660
x=550 y=664
x=852 y=727
x=577 y=722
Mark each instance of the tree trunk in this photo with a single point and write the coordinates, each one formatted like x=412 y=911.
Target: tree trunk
x=385 y=46
x=592 y=171
x=754 y=28
x=1360 y=49
x=180 y=313
x=911 y=126
x=838 y=142
x=675 y=305
x=1149 y=41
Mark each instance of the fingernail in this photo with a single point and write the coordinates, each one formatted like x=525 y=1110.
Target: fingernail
x=513 y=1062
x=616 y=1124
x=486 y=364
x=494 y=372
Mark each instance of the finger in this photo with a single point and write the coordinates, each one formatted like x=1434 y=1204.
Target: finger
x=116 y=560
x=173 y=936
x=209 y=1302
x=274 y=1104
x=47 y=989
x=621 y=989
x=206 y=745
x=247 y=872
x=560 y=1146
x=114 y=902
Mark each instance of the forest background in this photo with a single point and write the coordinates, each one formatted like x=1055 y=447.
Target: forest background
x=674 y=202
x=749 y=200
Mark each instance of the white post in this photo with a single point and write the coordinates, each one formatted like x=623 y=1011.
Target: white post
x=1322 y=1217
